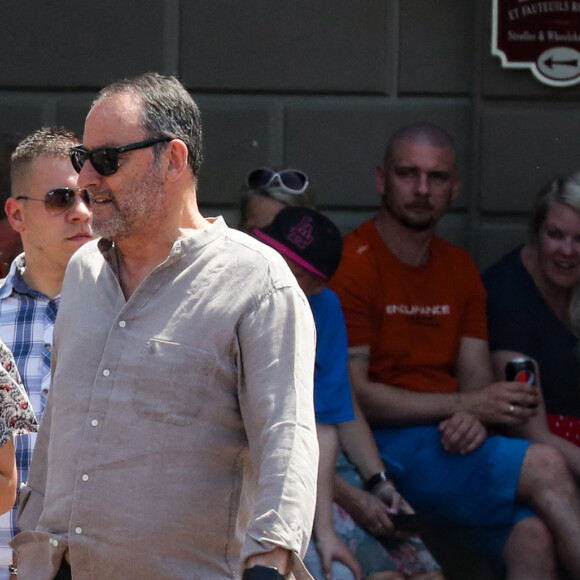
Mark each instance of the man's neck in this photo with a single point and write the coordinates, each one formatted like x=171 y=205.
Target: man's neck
x=140 y=254
x=410 y=246
x=10 y=243
x=42 y=277
x=136 y=259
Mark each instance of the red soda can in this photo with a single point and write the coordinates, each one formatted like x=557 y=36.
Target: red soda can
x=521 y=370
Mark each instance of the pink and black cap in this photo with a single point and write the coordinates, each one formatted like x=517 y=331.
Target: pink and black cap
x=306 y=237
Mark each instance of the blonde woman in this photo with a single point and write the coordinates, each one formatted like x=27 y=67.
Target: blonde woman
x=533 y=311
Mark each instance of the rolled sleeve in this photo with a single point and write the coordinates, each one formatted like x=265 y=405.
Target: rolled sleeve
x=276 y=399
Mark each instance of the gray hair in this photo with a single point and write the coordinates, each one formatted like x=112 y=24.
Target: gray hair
x=168 y=111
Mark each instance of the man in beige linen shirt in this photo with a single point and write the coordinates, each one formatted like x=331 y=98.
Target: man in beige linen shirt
x=179 y=437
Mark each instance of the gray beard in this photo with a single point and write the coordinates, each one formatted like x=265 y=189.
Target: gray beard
x=143 y=207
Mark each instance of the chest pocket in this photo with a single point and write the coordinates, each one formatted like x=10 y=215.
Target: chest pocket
x=175 y=382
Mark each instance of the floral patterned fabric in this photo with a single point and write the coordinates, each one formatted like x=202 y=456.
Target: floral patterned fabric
x=409 y=555
x=16 y=414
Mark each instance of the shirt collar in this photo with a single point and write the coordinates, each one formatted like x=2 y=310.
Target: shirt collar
x=14 y=281
x=200 y=238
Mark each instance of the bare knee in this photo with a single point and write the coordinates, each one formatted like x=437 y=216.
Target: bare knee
x=545 y=458
x=544 y=468
x=530 y=543
x=532 y=534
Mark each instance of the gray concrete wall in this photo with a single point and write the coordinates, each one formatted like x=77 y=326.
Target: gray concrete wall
x=316 y=85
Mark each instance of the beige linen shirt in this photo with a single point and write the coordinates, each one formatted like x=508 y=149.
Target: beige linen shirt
x=179 y=435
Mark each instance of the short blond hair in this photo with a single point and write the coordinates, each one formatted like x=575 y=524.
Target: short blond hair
x=52 y=142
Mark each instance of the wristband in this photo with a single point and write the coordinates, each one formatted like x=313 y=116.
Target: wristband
x=374 y=480
x=262 y=573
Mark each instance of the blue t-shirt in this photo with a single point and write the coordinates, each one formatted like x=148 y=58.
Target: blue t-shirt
x=332 y=394
x=521 y=320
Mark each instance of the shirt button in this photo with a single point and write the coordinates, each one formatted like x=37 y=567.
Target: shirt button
x=78 y=530
x=106 y=372
x=85 y=477
x=122 y=324
x=94 y=422
x=47 y=345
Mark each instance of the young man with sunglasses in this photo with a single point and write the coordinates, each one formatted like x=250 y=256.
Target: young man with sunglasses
x=52 y=217
x=179 y=438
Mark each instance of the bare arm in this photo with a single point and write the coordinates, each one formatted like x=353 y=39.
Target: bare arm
x=483 y=401
x=387 y=406
x=503 y=403
x=328 y=544
x=357 y=441
x=368 y=510
x=536 y=429
x=328 y=444
x=460 y=415
x=8 y=477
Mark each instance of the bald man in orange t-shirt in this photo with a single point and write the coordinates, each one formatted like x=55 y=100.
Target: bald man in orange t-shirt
x=420 y=365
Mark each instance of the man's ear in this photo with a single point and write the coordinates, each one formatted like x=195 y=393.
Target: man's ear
x=177 y=159
x=13 y=211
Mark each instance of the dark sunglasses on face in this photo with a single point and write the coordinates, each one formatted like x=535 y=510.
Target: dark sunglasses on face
x=105 y=160
x=61 y=199
x=289 y=180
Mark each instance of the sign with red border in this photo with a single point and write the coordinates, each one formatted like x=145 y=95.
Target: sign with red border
x=542 y=35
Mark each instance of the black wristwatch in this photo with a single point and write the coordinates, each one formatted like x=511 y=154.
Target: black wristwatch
x=262 y=573
x=375 y=479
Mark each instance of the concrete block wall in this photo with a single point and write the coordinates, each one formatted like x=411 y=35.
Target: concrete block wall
x=313 y=85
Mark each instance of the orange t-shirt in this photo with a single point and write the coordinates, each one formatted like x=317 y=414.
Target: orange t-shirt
x=412 y=318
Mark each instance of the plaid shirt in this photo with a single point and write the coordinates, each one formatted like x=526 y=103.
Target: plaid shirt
x=26 y=325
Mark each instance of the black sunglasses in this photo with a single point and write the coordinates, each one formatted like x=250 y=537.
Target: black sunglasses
x=61 y=199
x=289 y=180
x=105 y=160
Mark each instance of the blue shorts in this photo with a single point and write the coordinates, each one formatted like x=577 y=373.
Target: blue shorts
x=472 y=496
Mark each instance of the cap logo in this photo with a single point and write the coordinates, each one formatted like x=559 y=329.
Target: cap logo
x=301 y=234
